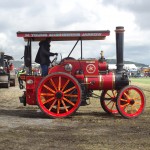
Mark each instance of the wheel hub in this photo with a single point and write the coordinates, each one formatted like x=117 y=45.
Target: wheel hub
x=59 y=95
x=132 y=101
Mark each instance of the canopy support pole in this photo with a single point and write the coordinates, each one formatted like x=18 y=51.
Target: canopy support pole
x=81 y=50
x=73 y=47
x=30 y=51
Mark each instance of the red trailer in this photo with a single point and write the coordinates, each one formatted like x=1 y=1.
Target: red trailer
x=71 y=82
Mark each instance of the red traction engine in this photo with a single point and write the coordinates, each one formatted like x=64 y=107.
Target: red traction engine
x=71 y=82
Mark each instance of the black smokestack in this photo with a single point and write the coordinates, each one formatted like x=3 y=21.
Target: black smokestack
x=119 y=47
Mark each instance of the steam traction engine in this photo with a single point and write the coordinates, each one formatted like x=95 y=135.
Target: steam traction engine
x=71 y=82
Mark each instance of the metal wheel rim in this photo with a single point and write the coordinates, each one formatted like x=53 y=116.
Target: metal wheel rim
x=131 y=102
x=59 y=101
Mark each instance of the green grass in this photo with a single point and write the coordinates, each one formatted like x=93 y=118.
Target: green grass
x=141 y=80
x=144 y=85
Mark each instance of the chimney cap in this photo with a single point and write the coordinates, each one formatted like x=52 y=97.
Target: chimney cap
x=119 y=29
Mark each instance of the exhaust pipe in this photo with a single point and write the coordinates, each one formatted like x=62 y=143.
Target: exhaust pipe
x=119 y=48
x=121 y=78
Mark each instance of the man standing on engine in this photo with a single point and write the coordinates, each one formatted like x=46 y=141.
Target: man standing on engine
x=43 y=55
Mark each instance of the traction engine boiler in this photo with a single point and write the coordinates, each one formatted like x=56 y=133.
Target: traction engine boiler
x=71 y=82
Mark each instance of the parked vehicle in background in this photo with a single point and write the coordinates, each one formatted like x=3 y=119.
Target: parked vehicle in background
x=139 y=75
x=7 y=72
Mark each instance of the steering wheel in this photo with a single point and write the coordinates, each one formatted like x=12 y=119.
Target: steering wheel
x=54 y=61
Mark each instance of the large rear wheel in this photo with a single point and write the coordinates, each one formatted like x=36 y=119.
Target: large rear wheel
x=59 y=95
x=108 y=101
x=130 y=101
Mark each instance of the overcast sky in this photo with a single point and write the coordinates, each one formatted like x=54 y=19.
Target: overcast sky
x=49 y=15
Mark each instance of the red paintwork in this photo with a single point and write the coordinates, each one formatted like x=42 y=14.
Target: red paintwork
x=89 y=67
x=103 y=66
x=108 y=81
x=31 y=89
x=100 y=82
x=64 y=35
x=90 y=76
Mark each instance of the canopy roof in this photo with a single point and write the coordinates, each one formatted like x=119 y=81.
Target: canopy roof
x=64 y=35
x=8 y=57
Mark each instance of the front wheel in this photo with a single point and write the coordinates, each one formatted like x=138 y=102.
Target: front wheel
x=130 y=102
x=59 y=95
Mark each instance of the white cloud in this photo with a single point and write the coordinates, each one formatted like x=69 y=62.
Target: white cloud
x=37 y=15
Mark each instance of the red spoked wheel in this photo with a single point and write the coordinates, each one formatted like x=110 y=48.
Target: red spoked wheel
x=108 y=101
x=59 y=95
x=130 y=101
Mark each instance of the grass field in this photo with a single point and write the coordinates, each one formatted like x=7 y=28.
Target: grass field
x=144 y=84
x=145 y=81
